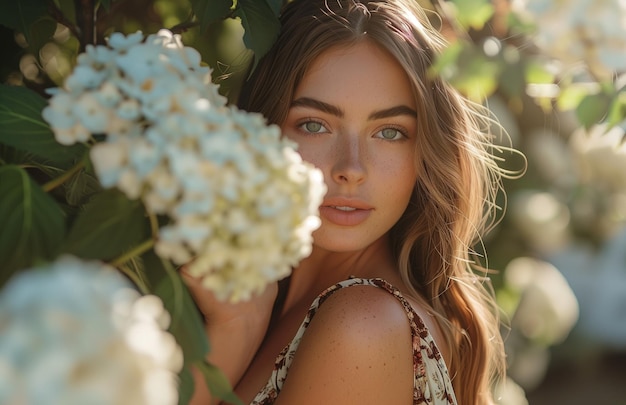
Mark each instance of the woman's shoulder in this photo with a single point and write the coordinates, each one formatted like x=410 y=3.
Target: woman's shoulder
x=362 y=306
x=357 y=349
x=390 y=302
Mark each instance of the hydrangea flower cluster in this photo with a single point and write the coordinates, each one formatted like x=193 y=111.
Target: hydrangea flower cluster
x=590 y=31
x=242 y=203
x=601 y=152
x=74 y=332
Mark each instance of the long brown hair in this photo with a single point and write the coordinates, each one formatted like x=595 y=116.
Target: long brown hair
x=458 y=178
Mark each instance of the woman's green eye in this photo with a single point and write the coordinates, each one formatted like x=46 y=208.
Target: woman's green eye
x=313 y=126
x=390 y=133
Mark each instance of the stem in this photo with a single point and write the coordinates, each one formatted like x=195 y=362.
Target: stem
x=136 y=280
x=86 y=20
x=154 y=225
x=136 y=251
x=184 y=26
x=52 y=184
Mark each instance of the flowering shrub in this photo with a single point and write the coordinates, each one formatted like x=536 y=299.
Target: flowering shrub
x=241 y=202
x=73 y=330
x=138 y=161
x=601 y=153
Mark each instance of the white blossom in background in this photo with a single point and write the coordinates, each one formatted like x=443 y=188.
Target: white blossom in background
x=550 y=155
x=546 y=312
x=510 y=393
x=242 y=204
x=580 y=31
x=598 y=278
x=601 y=153
x=548 y=309
x=74 y=333
x=541 y=220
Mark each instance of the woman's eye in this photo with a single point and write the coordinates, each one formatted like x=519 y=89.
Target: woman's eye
x=390 y=134
x=313 y=127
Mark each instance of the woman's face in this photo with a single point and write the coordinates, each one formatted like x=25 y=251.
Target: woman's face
x=353 y=116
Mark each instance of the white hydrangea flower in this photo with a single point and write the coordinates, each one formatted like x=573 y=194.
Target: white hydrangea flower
x=597 y=276
x=126 y=79
x=574 y=31
x=75 y=332
x=548 y=309
x=601 y=154
x=122 y=43
x=541 y=220
x=245 y=212
x=242 y=204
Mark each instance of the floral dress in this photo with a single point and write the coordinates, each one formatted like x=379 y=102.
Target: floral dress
x=432 y=383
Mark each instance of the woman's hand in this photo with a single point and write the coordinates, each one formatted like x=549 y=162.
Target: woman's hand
x=254 y=311
x=235 y=331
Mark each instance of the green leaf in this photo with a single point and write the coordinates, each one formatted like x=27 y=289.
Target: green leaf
x=21 y=14
x=185 y=386
x=187 y=323
x=210 y=11
x=81 y=187
x=109 y=225
x=33 y=225
x=41 y=32
x=261 y=26
x=446 y=62
x=276 y=6
x=22 y=127
x=537 y=73
x=468 y=69
x=9 y=155
x=617 y=111
x=474 y=74
x=68 y=9
x=571 y=96
x=218 y=383
x=592 y=109
x=519 y=25
x=473 y=13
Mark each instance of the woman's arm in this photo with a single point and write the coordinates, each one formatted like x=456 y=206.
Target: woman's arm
x=235 y=332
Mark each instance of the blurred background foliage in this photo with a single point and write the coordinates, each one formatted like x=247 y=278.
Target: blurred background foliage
x=559 y=253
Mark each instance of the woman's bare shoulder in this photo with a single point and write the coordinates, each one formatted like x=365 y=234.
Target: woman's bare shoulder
x=357 y=349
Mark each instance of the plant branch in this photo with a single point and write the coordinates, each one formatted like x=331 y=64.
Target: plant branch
x=154 y=225
x=54 y=183
x=86 y=20
x=184 y=26
x=136 y=251
x=134 y=278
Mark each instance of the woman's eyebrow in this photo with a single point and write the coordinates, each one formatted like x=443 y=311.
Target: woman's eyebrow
x=393 y=112
x=318 y=105
x=334 y=110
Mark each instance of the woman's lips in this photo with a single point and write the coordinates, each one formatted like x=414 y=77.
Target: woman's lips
x=345 y=212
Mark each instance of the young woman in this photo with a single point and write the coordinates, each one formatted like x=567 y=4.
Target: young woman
x=393 y=311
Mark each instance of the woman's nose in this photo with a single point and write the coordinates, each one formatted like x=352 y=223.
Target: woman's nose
x=349 y=160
